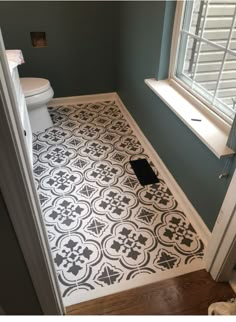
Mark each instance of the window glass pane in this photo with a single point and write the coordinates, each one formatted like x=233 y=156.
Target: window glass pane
x=232 y=44
x=202 y=58
x=212 y=20
x=218 y=21
x=206 y=63
x=201 y=66
x=198 y=12
x=226 y=91
x=190 y=56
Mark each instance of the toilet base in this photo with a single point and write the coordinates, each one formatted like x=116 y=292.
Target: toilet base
x=40 y=119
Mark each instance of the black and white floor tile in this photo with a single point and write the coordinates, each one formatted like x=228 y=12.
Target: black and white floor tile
x=107 y=232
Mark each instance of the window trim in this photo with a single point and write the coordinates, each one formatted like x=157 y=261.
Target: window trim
x=212 y=133
x=187 y=92
x=183 y=89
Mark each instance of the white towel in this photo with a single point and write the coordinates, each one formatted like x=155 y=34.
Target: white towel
x=223 y=308
x=14 y=57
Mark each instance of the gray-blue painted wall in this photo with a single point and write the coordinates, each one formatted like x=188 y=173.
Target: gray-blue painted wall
x=79 y=58
x=191 y=163
x=96 y=47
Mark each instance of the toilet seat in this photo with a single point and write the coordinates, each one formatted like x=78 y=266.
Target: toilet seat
x=33 y=86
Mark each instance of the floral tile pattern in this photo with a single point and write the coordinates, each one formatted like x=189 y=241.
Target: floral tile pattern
x=103 y=227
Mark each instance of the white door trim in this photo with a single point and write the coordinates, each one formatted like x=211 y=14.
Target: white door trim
x=20 y=195
x=220 y=255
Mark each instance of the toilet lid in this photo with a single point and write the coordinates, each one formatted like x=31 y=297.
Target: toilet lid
x=33 y=86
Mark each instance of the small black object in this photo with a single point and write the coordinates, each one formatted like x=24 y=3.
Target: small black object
x=144 y=172
x=25 y=132
x=196 y=120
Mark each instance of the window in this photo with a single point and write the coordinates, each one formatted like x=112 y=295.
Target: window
x=205 y=60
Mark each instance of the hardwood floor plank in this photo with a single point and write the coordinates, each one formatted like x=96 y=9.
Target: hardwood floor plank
x=189 y=294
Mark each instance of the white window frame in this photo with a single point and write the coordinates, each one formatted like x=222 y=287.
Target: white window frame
x=199 y=101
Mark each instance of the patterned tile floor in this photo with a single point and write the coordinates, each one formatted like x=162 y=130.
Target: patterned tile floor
x=106 y=231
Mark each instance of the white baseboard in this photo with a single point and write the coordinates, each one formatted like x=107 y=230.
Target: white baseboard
x=82 y=99
x=180 y=196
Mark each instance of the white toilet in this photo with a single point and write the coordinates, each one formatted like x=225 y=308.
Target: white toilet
x=38 y=92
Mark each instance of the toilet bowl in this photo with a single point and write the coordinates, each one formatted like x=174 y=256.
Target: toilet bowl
x=38 y=92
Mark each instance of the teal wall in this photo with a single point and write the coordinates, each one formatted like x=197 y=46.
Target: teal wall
x=191 y=163
x=96 y=47
x=79 y=58
x=165 y=37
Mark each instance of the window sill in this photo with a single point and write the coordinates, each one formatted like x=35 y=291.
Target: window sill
x=207 y=130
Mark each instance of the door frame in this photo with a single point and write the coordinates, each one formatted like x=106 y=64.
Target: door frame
x=220 y=255
x=21 y=199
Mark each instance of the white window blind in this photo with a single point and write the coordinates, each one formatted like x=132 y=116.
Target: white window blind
x=206 y=60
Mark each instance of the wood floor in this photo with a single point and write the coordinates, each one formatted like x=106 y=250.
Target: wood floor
x=190 y=294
